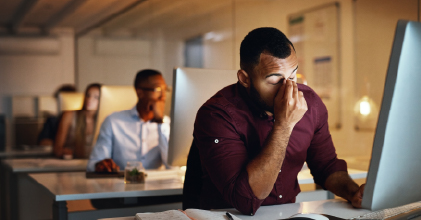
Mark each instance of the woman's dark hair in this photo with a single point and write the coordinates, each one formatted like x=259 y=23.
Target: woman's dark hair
x=266 y=40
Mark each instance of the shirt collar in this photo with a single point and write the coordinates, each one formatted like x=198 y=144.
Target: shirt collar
x=134 y=113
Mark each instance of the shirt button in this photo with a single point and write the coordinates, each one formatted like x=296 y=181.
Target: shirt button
x=280 y=196
x=216 y=141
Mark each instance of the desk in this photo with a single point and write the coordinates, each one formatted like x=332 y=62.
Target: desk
x=335 y=207
x=13 y=182
x=31 y=152
x=63 y=187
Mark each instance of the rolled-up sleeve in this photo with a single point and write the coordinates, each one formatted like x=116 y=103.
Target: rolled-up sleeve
x=224 y=157
x=103 y=145
x=321 y=156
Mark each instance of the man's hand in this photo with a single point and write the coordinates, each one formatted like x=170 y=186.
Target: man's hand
x=341 y=184
x=157 y=107
x=106 y=166
x=289 y=108
x=289 y=105
x=358 y=197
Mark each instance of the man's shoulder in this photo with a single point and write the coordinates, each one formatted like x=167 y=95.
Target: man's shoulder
x=309 y=94
x=225 y=97
x=120 y=115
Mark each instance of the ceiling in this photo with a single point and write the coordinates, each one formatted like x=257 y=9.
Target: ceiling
x=19 y=17
x=22 y=17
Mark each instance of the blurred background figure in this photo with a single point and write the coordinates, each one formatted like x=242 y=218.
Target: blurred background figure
x=76 y=128
x=49 y=130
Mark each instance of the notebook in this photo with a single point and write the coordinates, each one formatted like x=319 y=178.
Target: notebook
x=188 y=214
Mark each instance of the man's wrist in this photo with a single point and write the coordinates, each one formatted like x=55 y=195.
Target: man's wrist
x=284 y=127
x=158 y=120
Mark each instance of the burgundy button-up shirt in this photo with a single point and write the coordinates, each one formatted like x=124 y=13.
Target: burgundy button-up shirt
x=230 y=131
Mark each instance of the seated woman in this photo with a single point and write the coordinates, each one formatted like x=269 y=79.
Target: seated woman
x=49 y=130
x=76 y=128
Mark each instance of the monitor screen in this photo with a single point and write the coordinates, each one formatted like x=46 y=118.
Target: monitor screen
x=114 y=99
x=191 y=89
x=394 y=176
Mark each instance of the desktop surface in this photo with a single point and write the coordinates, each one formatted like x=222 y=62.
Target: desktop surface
x=31 y=152
x=75 y=185
x=45 y=165
x=334 y=207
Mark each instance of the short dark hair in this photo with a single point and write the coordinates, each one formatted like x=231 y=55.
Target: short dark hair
x=263 y=40
x=143 y=75
x=64 y=88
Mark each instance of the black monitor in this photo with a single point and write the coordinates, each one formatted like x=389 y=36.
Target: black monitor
x=394 y=176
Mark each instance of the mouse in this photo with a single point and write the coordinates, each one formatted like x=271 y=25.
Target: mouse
x=308 y=216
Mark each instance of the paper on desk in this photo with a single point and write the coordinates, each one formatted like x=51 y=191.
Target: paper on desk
x=200 y=214
x=197 y=214
x=170 y=214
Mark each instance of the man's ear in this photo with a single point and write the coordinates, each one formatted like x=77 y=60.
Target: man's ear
x=243 y=78
x=139 y=93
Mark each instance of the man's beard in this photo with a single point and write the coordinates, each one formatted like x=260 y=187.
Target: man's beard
x=257 y=99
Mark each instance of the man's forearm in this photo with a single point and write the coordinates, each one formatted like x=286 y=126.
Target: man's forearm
x=341 y=184
x=264 y=169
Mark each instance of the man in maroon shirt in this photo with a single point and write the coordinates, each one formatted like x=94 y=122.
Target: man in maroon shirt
x=253 y=137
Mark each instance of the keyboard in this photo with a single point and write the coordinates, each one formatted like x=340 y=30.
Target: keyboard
x=409 y=211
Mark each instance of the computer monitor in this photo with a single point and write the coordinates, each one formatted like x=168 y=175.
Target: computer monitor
x=394 y=176
x=114 y=99
x=70 y=101
x=191 y=89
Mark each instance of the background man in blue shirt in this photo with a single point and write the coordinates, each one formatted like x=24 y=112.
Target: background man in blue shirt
x=138 y=134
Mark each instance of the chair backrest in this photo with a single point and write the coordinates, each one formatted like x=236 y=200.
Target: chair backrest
x=114 y=99
x=193 y=180
x=70 y=101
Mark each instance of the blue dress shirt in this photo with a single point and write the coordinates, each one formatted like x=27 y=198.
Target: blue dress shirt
x=126 y=137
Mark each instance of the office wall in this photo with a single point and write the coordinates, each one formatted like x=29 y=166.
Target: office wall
x=32 y=66
x=112 y=61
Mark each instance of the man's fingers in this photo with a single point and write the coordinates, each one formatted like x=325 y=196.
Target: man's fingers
x=289 y=89
x=295 y=91
x=115 y=167
x=281 y=91
x=302 y=99
x=362 y=190
x=107 y=166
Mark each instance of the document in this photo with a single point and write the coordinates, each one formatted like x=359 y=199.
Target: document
x=188 y=214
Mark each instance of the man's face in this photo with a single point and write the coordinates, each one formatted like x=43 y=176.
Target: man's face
x=153 y=89
x=268 y=76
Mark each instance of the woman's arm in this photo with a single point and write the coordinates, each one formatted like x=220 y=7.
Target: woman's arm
x=63 y=129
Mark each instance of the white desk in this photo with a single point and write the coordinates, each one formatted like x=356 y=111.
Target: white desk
x=63 y=187
x=305 y=177
x=31 y=152
x=44 y=165
x=75 y=186
x=335 y=207
x=13 y=182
